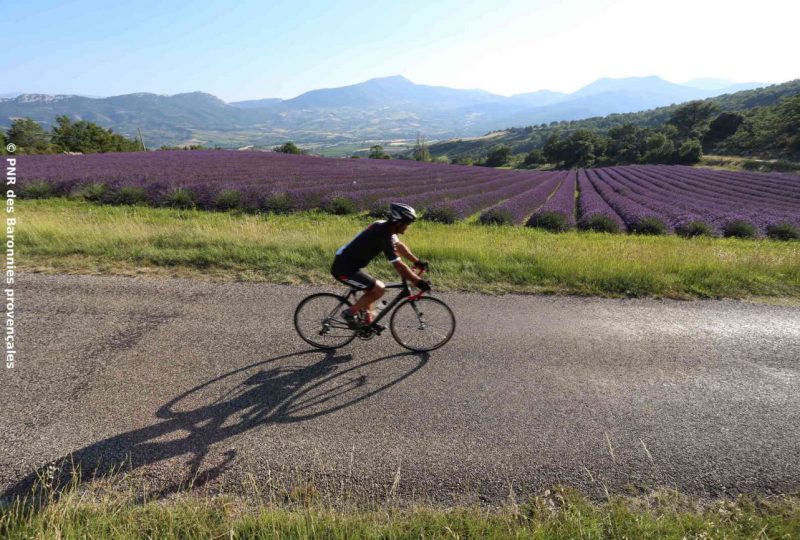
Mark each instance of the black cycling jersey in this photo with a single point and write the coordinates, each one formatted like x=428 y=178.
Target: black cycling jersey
x=367 y=244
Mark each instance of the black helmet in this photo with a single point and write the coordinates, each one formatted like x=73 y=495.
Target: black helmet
x=401 y=212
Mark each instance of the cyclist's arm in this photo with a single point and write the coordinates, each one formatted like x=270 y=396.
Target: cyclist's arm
x=406 y=272
x=403 y=251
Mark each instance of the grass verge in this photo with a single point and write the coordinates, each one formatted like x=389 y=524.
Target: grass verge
x=558 y=513
x=60 y=235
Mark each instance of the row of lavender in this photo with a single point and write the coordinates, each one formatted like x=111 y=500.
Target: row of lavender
x=680 y=198
x=617 y=198
x=214 y=179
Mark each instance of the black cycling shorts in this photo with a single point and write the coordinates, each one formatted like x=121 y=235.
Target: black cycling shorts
x=357 y=278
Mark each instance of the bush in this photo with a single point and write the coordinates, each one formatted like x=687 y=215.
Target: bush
x=649 y=225
x=340 y=206
x=179 y=198
x=599 y=223
x=691 y=151
x=228 y=199
x=497 y=216
x=551 y=221
x=739 y=228
x=694 y=228
x=125 y=195
x=94 y=192
x=279 y=203
x=37 y=190
x=440 y=214
x=783 y=231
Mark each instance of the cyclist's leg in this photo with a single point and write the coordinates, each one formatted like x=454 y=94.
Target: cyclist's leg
x=369 y=297
x=372 y=288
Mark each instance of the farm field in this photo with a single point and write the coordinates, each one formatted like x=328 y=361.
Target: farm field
x=652 y=199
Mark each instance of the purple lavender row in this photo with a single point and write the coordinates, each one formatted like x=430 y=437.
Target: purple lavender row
x=677 y=191
x=717 y=212
x=563 y=200
x=521 y=206
x=733 y=186
x=467 y=206
x=670 y=214
x=591 y=204
x=630 y=211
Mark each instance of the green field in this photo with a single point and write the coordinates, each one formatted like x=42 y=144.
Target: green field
x=60 y=235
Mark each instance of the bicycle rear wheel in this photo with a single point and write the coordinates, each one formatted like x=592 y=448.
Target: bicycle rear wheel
x=423 y=324
x=318 y=320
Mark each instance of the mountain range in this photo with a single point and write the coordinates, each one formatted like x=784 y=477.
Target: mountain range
x=381 y=109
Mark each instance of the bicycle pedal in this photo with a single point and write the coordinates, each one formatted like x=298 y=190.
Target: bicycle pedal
x=379 y=328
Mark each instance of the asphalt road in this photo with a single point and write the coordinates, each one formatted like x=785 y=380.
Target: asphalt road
x=208 y=385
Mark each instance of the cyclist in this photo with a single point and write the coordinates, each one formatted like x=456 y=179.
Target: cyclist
x=351 y=258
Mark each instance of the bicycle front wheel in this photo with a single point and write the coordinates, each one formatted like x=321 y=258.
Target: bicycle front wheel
x=318 y=320
x=423 y=324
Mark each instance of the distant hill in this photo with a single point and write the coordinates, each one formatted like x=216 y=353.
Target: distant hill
x=379 y=109
x=523 y=138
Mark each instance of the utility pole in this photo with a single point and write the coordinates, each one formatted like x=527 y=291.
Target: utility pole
x=141 y=139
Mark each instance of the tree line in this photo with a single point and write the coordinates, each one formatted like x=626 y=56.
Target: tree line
x=65 y=136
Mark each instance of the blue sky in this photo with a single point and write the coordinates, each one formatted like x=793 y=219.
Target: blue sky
x=247 y=49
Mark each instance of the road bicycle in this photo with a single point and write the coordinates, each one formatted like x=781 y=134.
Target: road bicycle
x=418 y=322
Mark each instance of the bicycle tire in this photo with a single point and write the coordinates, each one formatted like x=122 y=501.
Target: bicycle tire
x=407 y=321
x=328 y=319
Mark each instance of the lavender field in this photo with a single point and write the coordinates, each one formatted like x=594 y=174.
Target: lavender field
x=674 y=197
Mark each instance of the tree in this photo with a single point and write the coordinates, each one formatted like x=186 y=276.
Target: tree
x=3 y=142
x=623 y=144
x=376 y=152
x=87 y=137
x=421 y=152
x=658 y=149
x=534 y=157
x=722 y=127
x=691 y=120
x=554 y=149
x=288 y=148
x=29 y=136
x=582 y=148
x=498 y=156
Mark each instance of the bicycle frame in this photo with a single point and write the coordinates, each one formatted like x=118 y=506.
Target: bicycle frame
x=404 y=293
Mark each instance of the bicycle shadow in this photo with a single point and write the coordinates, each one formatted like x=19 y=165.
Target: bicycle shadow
x=208 y=414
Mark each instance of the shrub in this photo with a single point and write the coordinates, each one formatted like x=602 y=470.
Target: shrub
x=440 y=214
x=94 y=192
x=379 y=211
x=649 y=225
x=783 y=231
x=598 y=223
x=179 y=198
x=125 y=195
x=279 y=203
x=340 y=206
x=551 y=221
x=739 y=228
x=37 y=190
x=228 y=199
x=694 y=228
x=497 y=216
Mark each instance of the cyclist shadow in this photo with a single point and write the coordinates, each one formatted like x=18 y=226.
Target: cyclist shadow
x=228 y=405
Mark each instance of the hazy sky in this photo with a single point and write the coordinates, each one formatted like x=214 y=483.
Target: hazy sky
x=256 y=49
